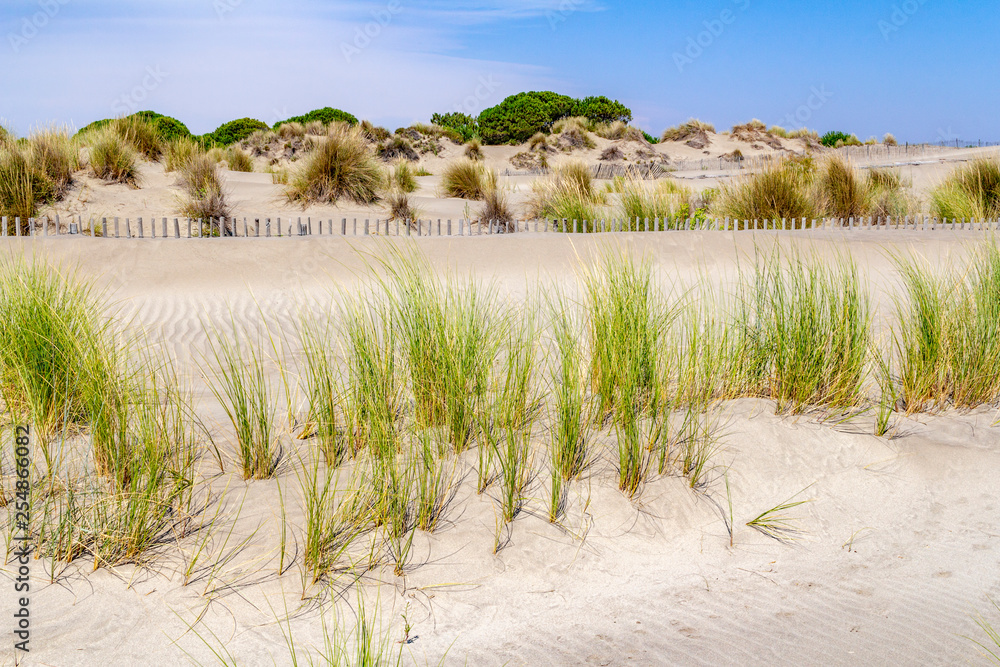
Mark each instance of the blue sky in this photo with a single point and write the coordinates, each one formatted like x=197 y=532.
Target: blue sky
x=922 y=69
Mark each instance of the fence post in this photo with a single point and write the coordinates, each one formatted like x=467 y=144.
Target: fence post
x=17 y=226
x=104 y=227
x=367 y=228
x=128 y=228
x=449 y=226
x=925 y=223
x=3 y=220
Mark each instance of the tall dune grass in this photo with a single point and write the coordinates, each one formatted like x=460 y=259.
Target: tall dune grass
x=464 y=179
x=450 y=339
x=570 y=455
x=665 y=202
x=970 y=192
x=57 y=156
x=947 y=338
x=342 y=166
x=627 y=318
x=568 y=194
x=50 y=326
x=179 y=151
x=775 y=193
x=113 y=159
x=204 y=197
x=817 y=323
x=242 y=386
x=23 y=186
x=374 y=387
x=61 y=370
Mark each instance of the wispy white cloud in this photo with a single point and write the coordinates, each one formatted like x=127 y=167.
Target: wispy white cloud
x=257 y=61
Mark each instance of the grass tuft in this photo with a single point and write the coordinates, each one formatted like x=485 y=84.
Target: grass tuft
x=342 y=166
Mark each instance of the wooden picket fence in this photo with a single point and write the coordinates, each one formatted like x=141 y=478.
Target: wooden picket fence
x=267 y=227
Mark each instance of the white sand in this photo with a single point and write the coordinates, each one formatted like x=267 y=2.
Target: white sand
x=651 y=582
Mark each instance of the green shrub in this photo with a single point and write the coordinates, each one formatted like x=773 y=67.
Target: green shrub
x=234 y=131
x=830 y=139
x=341 y=166
x=168 y=128
x=326 y=115
x=462 y=123
x=520 y=116
x=602 y=110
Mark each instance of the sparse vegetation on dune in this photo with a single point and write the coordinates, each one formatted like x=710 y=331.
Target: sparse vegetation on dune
x=400 y=206
x=687 y=130
x=341 y=167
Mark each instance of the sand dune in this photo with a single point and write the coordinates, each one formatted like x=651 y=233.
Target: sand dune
x=899 y=543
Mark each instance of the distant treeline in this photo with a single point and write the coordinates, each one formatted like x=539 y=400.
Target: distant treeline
x=515 y=120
